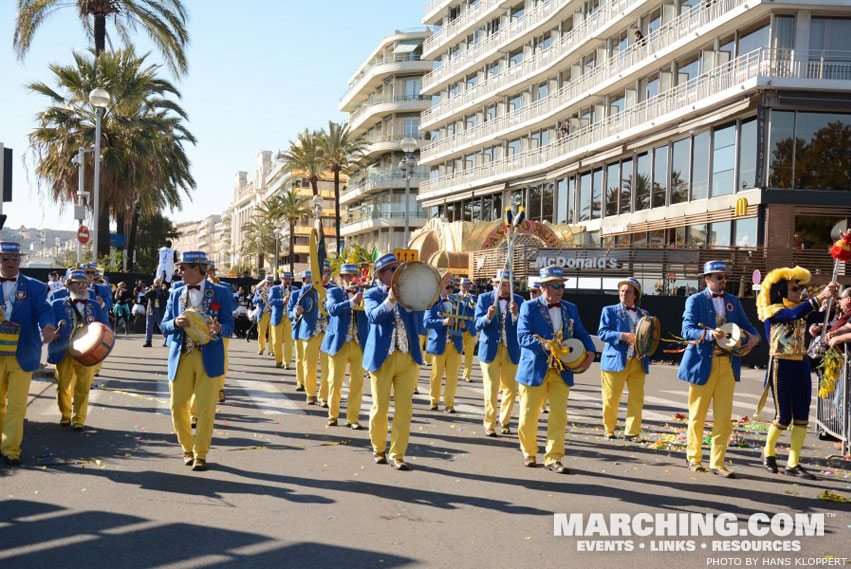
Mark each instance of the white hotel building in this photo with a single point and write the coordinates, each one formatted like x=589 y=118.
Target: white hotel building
x=384 y=104
x=643 y=123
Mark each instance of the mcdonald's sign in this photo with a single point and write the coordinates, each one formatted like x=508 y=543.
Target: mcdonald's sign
x=741 y=207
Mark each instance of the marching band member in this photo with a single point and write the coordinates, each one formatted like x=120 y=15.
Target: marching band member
x=194 y=370
x=24 y=304
x=72 y=377
x=788 y=375
x=548 y=317
x=534 y=290
x=468 y=309
x=347 y=331
x=282 y=332
x=711 y=372
x=445 y=347
x=211 y=276
x=261 y=301
x=61 y=292
x=618 y=365
x=304 y=312
x=322 y=326
x=299 y=356
x=499 y=352
x=392 y=357
x=97 y=290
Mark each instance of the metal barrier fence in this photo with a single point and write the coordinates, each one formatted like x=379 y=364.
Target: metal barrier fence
x=834 y=414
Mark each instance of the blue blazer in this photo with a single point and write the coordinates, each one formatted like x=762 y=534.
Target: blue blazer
x=613 y=321
x=31 y=311
x=258 y=302
x=276 y=301
x=103 y=291
x=57 y=295
x=212 y=353
x=62 y=310
x=437 y=332
x=535 y=319
x=697 y=359
x=381 y=329
x=468 y=308
x=340 y=311
x=489 y=337
x=304 y=329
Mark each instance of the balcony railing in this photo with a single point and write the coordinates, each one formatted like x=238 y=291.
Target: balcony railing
x=358 y=82
x=758 y=63
x=433 y=6
x=645 y=51
x=381 y=211
x=446 y=33
x=372 y=177
x=557 y=51
x=530 y=20
x=364 y=107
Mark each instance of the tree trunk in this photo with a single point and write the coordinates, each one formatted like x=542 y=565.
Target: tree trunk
x=337 y=210
x=100 y=33
x=131 y=239
x=103 y=232
x=314 y=185
x=292 y=247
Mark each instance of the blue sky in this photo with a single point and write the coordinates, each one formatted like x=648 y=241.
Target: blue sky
x=260 y=71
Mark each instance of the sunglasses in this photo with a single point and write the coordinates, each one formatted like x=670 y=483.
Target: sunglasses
x=719 y=277
x=794 y=288
x=555 y=286
x=8 y=258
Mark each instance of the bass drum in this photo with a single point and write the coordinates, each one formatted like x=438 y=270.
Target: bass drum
x=416 y=285
x=90 y=344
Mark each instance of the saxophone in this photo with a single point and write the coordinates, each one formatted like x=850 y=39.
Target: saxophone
x=264 y=296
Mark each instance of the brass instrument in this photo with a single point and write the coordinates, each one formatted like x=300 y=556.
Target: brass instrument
x=264 y=296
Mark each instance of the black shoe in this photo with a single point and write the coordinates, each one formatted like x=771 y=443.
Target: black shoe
x=490 y=433
x=311 y=400
x=530 y=462
x=695 y=467
x=546 y=409
x=199 y=465
x=723 y=473
x=193 y=422
x=416 y=391
x=299 y=388
x=558 y=468
x=379 y=458
x=450 y=410
x=324 y=404
x=433 y=407
x=399 y=464
x=147 y=345
x=505 y=431
x=332 y=422
x=279 y=365
x=78 y=428
x=800 y=472
x=221 y=396
x=13 y=462
x=188 y=458
x=65 y=423
x=355 y=426
x=770 y=463
x=609 y=437
x=633 y=438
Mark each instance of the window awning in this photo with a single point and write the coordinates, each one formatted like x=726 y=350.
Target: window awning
x=407 y=46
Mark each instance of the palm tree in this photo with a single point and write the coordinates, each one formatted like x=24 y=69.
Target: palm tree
x=340 y=151
x=144 y=166
x=305 y=157
x=163 y=20
x=292 y=207
x=258 y=237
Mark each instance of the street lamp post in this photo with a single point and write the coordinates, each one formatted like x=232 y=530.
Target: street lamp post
x=99 y=99
x=407 y=164
x=277 y=234
x=79 y=211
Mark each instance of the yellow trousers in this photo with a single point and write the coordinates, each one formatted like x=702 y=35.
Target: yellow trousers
x=497 y=376
x=307 y=362
x=14 y=391
x=74 y=381
x=718 y=391
x=427 y=358
x=324 y=374
x=282 y=342
x=557 y=390
x=399 y=372
x=613 y=383
x=191 y=379
x=262 y=330
x=352 y=354
x=193 y=407
x=469 y=348
x=449 y=361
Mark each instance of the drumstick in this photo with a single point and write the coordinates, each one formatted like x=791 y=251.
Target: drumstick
x=62 y=324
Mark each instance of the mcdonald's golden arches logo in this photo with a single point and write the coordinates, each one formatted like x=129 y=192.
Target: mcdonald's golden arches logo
x=741 y=207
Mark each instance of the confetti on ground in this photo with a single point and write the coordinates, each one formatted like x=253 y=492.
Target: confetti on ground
x=829 y=496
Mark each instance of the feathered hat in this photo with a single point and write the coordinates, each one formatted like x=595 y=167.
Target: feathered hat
x=764 y=308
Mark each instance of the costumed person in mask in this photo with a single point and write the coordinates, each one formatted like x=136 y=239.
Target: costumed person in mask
x=788 y=376
x=73 y=379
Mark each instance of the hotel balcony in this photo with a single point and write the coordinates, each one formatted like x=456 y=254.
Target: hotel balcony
x=380 y=179
x=371 y=76
x=678 y=35
x=374 y=216
x=484 y=10
x=374 y=109
x=383 y=143
x=432 y=9
x=759 y=69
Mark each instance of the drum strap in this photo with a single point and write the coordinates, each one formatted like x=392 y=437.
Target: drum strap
x=77 y=314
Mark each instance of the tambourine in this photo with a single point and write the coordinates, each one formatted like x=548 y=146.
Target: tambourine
x=647 y=334
x=735 y=340
x=199 y=326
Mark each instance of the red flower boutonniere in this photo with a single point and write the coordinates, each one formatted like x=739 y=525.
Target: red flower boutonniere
x=215 y=305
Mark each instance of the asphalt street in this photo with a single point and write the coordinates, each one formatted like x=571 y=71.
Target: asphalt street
x=284 y=490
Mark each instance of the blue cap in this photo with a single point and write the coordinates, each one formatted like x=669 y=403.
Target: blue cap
x=326 y=266
x=536 y=285
x=193 y=258
x=305 y=275
x=632 y=281
x=466 y=282
x=385 y=261
x=270 y=279
x=710 y=267
x=211 y=265
x=286 y=275
x=10 y=248
x=349 y=269
x=549 y=274
x=76 y=276
x=500 y=275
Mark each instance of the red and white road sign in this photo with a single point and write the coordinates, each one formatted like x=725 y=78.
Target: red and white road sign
x=83 y=234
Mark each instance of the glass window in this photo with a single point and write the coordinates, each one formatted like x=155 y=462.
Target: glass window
x=496 y=211
x=660 y=176
x=490 y=113
x=547 y=202
x=813 y=231
x=518 y=199
x=822 y=157
x=514 y=146
x=412 y=127
x=680 y=166
x=753 y=40
x=784 y=32
x=613 y=183
x=747 y=154
x=640 y=239
x=561 y=201
x=675 y=237
x=517 y=12
x=723 y=160
x=597 y=194
x=719 y=234
x=830 y=34
x=781 y=146
x=487 y=207
x=585 y=196
x=450 y=211
x=468 y=210
x=649 y=87
x=746 y=232
x=571 y=199
x=697 y=235
x=515 y=103
x=688 y=69
x=626 y=187
x=543 y=89
x=472 y=80
x=617 y=103
x=700 y=166
x=727 y=50
x=657 y=238
x=412 y=88
x=535 y=203
x=515 y=57
x=642 y=182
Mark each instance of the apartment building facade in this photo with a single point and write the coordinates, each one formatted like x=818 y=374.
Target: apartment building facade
x=384 y=105
x=696 y=127
x=200 y=235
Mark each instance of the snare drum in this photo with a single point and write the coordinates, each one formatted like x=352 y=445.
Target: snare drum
x=90 y=344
